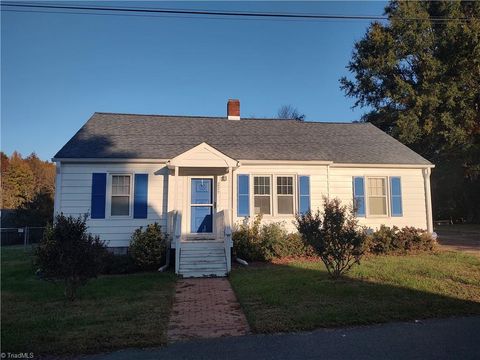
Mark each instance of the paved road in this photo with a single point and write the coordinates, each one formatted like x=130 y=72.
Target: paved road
x=455 y=338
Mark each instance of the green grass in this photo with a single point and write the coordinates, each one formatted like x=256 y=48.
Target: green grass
x=301 y=296
x=111 y=312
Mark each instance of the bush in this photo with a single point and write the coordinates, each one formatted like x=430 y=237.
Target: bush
x=267 y=242
x=383 y=241
x=334 y=235
x=148 y=247
x=68 y=253
x=119 y=264
x=412 y=239
x=388 y=240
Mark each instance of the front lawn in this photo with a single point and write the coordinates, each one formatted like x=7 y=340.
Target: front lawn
x=111 y=312
x=301 y=296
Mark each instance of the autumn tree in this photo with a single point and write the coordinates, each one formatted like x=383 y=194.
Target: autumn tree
x=419 y=75
x=28 y=186
x=18 y=183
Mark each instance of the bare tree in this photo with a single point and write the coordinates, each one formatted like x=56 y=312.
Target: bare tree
x=290 y=112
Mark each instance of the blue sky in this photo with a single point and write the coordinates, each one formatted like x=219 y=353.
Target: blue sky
x=58 y=69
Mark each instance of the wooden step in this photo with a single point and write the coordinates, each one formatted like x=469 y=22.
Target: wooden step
x=200 y=274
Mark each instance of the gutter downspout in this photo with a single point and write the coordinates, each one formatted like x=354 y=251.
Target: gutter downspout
x=428 y=198
x=58 y=189
x=328 y=181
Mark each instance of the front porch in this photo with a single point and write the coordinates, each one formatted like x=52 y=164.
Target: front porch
x=200 y=199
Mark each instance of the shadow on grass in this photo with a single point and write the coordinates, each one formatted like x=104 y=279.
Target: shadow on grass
x=301 y=295
x=111 y=312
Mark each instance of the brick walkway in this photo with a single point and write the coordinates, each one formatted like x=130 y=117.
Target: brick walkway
x=205 y=308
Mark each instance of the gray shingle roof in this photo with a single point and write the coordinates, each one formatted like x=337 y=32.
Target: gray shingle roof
x=109 y=135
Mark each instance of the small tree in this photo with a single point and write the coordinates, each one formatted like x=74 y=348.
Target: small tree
x=334 y=235
x=148 y=247
x=68 y=253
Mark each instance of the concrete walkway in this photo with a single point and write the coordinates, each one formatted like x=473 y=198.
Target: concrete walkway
x=454 y=338
x=205 y=308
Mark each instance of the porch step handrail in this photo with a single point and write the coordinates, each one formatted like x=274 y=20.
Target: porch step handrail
x=227 y=238
x=177 y=223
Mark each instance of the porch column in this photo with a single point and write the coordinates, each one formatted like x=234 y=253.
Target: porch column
x=230 y=198
x=175 y=196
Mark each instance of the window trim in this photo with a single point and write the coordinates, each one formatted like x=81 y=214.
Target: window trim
x=367 y=196
x=109 y=195
x=252 y=197
x=295 y=197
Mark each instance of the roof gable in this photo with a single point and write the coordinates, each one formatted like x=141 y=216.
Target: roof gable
x=202 y=155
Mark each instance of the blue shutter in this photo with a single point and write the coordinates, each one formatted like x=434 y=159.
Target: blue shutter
x=140 y=196
x=243 y=195
x=396 y=196
x=359 y=195
x=303 y=194
x=99 y=187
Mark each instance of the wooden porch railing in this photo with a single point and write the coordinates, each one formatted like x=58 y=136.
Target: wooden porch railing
x=224 y=232
x=177 y=235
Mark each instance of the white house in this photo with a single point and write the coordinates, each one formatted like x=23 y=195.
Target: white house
x=198 y=175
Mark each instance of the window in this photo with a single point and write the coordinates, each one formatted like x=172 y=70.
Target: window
x=285 y=194
x=261 y=195
x=377 y=196
x=120 y=204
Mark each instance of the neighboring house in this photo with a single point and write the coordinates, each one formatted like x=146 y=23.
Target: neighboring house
x=197 y=175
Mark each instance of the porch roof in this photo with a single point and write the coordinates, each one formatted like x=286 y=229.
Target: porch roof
x=202 y=155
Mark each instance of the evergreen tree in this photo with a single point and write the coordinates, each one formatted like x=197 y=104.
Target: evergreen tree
x=419 y=74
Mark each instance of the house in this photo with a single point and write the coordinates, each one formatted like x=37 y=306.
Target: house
x=197 y=176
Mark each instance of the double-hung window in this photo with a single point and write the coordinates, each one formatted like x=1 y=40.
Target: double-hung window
x=261 y=195
x=377 y=196
x=285 y=195
x=120 y=195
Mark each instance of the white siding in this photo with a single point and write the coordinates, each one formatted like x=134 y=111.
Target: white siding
x=413 y=194
x=76 y=182
x=318 y=187
x=75 y=199
x=339 y=184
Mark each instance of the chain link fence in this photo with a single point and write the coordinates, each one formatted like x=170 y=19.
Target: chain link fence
x=26 y=236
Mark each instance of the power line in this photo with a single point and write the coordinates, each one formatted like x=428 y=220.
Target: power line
x=218 y=13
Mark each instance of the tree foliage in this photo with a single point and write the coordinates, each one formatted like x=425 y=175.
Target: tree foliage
x=70 y=254
x=28 y=186
x=290 y=112
x=420 y=80
x=334 y=235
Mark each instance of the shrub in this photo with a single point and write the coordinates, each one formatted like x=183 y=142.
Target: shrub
x=119 y=264
x=247 y=241
x=148 y=247
x=388 y=240
x=412 y=239
x=334 y=235
x=383 y=241
x=258 y=242
x=68 y=253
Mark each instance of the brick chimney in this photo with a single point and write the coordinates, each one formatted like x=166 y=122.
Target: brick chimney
x=233 y=109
